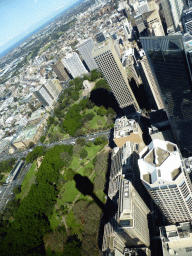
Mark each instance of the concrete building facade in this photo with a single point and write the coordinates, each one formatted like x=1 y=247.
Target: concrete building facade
x=59 y=70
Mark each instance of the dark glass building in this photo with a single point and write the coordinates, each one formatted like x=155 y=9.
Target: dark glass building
x=170 y=61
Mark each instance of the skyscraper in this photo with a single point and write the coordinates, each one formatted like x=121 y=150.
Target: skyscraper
x=152 y=82
x=74 y=65
x=85 y=48
x=110 y=65
x=168 y=15
x=187 y=20
x=129 y=226
x=177 y=7
x=164 y=175
x=170 y=62
x=172 y=10
x=59 y=70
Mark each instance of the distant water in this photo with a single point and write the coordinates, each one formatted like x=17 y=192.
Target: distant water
x=36 y=31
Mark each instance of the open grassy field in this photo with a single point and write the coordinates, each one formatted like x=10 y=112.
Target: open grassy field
x=55 y=220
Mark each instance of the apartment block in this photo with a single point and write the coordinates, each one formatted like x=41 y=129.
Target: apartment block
x=44 y=96
x=59 y=70
x=53 y=88
x=74 y=65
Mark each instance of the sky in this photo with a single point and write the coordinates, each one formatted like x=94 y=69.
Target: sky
x=20 y=17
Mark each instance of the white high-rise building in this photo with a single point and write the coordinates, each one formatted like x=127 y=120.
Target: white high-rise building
x=44 y=96
x=177 y=7
x=110 y=65
x=85 y=48
x=128 y=30
x=143 y=7
x=164 y=175
x=74 y=65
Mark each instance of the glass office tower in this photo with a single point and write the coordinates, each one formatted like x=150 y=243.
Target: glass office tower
x=169 y=57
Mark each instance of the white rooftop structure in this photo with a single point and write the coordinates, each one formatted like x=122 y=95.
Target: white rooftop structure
x=124 y=127
x=163 y=173
x=160 y=161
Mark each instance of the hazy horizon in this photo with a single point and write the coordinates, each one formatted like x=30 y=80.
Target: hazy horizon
x=25 y=19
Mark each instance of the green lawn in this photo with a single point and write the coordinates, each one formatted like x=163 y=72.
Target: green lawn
x=75 y=164
x=93 y=124
x=69 y=193
x=92 y=151
x=55 y=220
x=4 y=177
x=83 y=170
x=72 y=224
x=28 y=181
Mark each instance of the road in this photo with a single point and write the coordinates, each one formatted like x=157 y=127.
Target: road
x=88 y=137
x=6 y=191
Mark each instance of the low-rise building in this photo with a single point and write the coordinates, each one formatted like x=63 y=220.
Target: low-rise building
x=177 y=239
x=127 y=130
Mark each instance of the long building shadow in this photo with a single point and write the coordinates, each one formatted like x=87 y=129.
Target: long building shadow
x=109 y=209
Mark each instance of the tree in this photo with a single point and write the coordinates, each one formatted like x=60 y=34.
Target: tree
x=111 y=111
x=102 y=111
x=17 y=189
x=42 y=139
x=98 y=141
x=31 y=144
x=81 y=141
x=88 y=144
x=69 y=174
x=83 y=153
x=79 y=132
x=66 y=158
x=37 y=152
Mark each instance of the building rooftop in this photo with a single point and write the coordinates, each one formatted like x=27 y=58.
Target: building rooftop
x=125 y=209
x=177 y=240
x=102 y=47
x=160 y=162
x=27 y=134
x=123 y=127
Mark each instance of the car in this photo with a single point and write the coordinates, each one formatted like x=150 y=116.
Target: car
x=0 y=191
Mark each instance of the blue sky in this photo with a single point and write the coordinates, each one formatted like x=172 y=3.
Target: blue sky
x=20 y=17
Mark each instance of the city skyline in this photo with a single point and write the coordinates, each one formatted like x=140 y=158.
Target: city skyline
x=21 y=19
